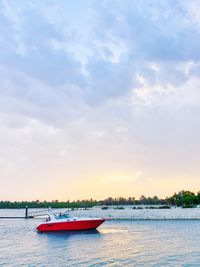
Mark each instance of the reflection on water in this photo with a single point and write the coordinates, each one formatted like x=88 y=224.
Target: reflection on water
x=112 y=230
x=66 y=234
x=115 y=243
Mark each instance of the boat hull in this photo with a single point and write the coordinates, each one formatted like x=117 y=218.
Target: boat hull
x=70 y=225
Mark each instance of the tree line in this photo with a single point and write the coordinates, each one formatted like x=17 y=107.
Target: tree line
x=180 y=199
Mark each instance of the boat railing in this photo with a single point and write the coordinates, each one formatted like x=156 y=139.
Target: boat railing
x=33 y=213
x=45 y=212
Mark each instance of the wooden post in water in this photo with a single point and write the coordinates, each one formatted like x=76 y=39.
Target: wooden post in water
x=26 y=212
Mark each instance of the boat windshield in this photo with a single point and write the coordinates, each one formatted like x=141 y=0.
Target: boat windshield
x=61 y=216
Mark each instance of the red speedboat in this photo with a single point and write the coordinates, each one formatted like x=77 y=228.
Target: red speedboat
x=63 y=222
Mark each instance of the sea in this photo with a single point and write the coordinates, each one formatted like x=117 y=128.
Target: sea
x=115 y=243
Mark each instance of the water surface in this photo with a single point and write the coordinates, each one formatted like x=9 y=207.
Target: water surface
x=116 y=243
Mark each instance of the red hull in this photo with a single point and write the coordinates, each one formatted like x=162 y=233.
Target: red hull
x=70 y=226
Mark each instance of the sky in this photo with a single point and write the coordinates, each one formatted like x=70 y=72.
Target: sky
x=99 y=98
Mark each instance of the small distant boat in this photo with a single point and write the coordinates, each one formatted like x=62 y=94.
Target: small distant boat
x=62 y=222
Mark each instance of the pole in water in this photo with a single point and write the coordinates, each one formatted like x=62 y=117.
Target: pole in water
x=26 y=212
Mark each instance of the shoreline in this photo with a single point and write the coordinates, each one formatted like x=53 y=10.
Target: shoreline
x=127 y=213
x=141 y=214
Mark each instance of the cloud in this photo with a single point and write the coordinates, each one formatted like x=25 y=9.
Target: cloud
x=102 y=50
